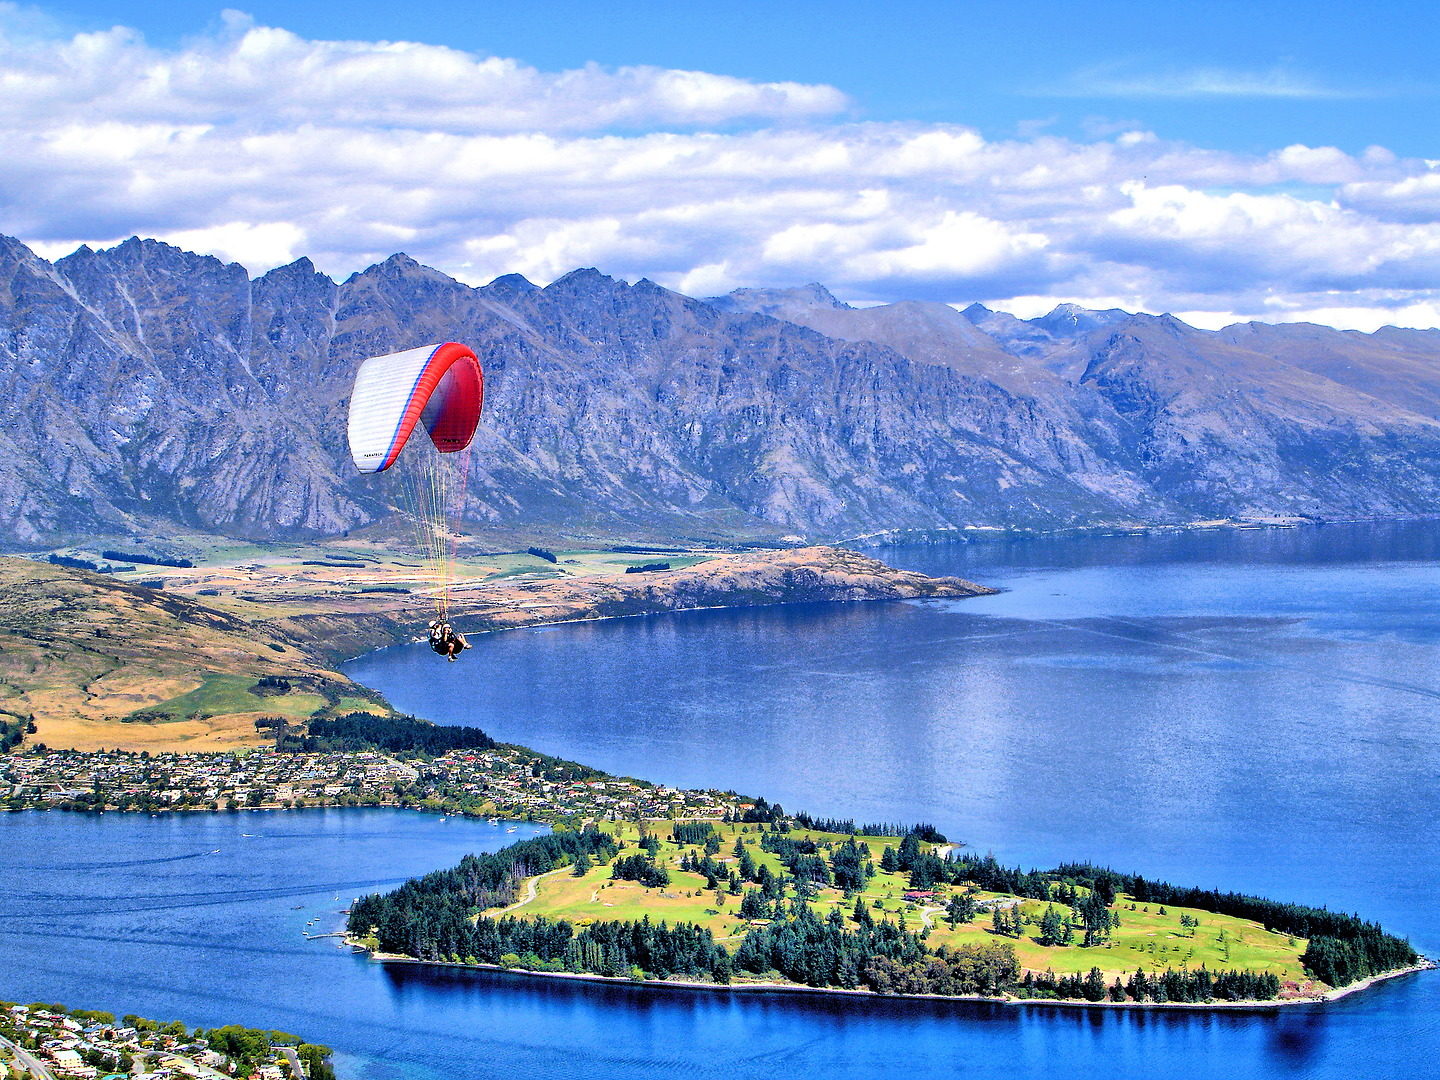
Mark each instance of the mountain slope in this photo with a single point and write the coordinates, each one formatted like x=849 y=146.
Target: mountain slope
x=150 y=387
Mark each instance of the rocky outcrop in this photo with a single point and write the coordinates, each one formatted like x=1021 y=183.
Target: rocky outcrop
x=749 y=579
x=148 y=388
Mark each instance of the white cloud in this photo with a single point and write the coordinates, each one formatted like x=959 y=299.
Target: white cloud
x=265 y=78
x=1414 y=198
x=238 y=241
x=259 y=146
x=1113 y=81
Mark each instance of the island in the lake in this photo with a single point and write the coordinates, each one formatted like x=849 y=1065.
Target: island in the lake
x=763 y=900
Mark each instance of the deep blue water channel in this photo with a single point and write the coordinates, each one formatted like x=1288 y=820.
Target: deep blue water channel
x=1254 y=709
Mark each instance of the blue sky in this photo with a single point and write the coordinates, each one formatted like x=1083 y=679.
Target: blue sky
x=1346 y=75
x=1223 y=161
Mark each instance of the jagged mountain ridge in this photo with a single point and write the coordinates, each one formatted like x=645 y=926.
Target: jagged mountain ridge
x=148 y=385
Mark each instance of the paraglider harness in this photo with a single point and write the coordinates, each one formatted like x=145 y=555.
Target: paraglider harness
x=446 y=641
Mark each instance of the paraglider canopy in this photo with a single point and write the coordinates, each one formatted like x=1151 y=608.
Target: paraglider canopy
x=437 y=386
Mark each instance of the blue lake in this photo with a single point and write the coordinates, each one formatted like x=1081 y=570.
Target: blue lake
x=1256 y=710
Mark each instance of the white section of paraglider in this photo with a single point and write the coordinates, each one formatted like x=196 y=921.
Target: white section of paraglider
x=439 y=388
x=384 y=388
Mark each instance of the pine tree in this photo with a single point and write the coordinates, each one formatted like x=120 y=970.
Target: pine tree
x=1094 y=988
x=1050 y=926
x=862 y=914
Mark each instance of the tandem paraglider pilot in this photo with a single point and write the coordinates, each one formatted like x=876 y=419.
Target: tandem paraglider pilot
x=446 y=640
x=439 y=389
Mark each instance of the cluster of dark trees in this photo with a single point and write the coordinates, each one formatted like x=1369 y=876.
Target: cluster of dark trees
x=849 y=866
x=715 y=873
x=1340 y=961
x=982 y=968
x=628 y=949
x=692 y=833
x=1198 y=986
x=147 y=560
x=847 y=827
x=761 y=811
x=542 y=553
x=641 y=868
x=12 y=731
x=397 y=734
x=76 y=563
x=72 y=562
x=429 y=917
x=823 y=952
x=647 y=568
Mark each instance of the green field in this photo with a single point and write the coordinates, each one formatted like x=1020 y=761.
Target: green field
x=225 y=694
x=388 y=563
x=1146 y=937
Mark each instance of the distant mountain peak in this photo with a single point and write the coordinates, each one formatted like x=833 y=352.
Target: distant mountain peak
x=1071 y=320
x=513 y=284
x=779 y=303
x=301 y=267
x=585 y=277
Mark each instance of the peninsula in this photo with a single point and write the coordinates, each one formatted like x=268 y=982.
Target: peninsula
x=168 y=658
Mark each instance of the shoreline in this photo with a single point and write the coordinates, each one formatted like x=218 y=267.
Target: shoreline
x=982 y=534
x=797 y=988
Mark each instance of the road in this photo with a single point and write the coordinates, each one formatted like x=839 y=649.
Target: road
x=530 y=890
x=28 y=1061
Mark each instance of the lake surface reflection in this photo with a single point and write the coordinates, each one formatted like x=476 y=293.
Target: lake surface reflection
x=1255 y=710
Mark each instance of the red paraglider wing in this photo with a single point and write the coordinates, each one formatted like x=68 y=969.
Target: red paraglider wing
x=453 y=410
x=441 y=385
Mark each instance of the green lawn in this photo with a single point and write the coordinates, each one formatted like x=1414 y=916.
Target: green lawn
x=349 y=703
x=1150 y=940
x=221 y=695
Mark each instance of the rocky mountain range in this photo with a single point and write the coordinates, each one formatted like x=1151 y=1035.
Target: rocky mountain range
x=146 y=388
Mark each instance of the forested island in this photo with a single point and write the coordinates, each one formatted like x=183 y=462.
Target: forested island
x=765 y=899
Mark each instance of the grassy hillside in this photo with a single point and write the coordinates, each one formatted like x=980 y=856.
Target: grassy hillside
x=171 y=657
x=98 y=662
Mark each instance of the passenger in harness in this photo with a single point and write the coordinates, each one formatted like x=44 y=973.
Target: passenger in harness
x=446 y=641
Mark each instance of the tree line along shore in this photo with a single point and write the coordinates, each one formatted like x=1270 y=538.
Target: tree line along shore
x=768 y=899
